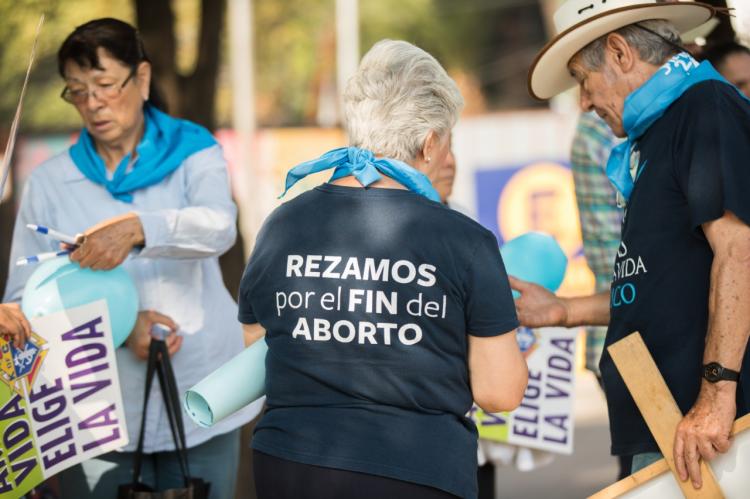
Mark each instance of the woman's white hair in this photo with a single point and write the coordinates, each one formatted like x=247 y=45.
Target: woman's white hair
x=398 y=94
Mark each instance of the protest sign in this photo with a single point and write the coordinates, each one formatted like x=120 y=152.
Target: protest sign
x=544 y=420
x=60 y=400
x=535 y=196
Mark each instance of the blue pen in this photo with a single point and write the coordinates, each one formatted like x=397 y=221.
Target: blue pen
x=53 y=233
x=41 y=257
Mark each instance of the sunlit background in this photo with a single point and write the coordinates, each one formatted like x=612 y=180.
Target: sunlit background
x=268 y=82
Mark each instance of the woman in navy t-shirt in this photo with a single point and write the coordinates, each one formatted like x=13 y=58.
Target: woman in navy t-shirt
x=385 y=312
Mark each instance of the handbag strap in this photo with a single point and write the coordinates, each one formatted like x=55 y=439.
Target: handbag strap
x=150 y=368
x=173 y=393
x=168 y=385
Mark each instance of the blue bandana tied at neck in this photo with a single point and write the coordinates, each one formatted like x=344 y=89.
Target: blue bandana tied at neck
x=647 y=104
x=165 y=145
x=366 y=168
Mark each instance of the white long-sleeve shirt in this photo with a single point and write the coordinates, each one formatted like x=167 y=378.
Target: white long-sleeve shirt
x=189 y=221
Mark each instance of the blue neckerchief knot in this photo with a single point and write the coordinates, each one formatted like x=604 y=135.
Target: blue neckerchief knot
x=361 y=161
x=165 y=145
x=366 y=168
x=648 y=103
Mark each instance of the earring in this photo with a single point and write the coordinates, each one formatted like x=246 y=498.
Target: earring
x=428 y=159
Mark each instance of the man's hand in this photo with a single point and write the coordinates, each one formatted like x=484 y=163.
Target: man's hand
x=106 y=245
x=537 y=307
x=14 y=324
x=705 y=430
x=140 y=338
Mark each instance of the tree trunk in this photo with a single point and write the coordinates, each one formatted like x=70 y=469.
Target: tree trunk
x=199 y=89
x=188 y=96
x=156 y=25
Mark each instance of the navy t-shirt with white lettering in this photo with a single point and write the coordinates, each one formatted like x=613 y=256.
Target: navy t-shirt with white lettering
x=695 y=165
x=367 y=297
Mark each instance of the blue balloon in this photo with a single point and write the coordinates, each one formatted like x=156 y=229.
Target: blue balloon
x=61 y=284
x=535 y=257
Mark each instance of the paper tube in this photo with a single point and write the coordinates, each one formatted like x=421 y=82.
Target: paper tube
x=231 y=387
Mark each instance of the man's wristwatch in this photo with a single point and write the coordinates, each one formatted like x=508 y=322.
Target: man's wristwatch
x=715 y=372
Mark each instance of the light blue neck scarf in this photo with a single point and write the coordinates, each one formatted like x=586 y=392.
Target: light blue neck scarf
x=366 y=168
x=165 y=145
x=647 y=104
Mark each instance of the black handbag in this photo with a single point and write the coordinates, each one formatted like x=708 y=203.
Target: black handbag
x=194 y=488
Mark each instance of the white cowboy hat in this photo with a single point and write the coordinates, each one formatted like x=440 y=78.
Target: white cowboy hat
x=580 y=22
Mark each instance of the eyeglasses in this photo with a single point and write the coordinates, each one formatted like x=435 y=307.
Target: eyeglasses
x=99 y=92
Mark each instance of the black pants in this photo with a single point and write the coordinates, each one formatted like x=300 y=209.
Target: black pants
x=281 y=479
x=624 y=462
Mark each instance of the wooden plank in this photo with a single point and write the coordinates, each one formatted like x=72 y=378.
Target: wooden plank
x=654 y=470
x=658 y=407
x=633 y=481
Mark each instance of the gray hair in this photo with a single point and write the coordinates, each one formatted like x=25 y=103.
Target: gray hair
x=651 y=48
x=398 y=94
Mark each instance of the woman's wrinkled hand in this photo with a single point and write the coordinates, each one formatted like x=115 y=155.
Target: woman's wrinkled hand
x=140 y=338
x=106 y=245
x=13 y=324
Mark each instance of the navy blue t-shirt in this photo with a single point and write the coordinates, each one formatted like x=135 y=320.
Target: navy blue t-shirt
x=695 y=165
x=367 y=297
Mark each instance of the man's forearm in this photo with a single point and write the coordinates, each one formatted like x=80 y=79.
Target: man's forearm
x=706 y=428
x=728 y=299
x=592 y=310
x=728 y=312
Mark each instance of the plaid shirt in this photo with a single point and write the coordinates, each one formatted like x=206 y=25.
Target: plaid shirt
x=600 y=216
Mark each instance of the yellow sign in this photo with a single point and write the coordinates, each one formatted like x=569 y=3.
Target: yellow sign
x=541 y=197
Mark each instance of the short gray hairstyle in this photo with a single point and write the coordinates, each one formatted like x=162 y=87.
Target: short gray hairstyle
x=398 y=94
x=651 y=48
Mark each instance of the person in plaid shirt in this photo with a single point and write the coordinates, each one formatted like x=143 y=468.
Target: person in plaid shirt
x=600 y=215
x=600 y=222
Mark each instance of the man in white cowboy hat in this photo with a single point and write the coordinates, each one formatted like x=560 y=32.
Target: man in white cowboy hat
x=682 y=273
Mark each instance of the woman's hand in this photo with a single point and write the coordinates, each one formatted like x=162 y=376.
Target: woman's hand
x=140 y=338
x=14 y=324
x=106 y=245
x=537 y=307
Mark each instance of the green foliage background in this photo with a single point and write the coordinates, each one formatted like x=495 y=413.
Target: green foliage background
x=492 y=40
x=43 y=108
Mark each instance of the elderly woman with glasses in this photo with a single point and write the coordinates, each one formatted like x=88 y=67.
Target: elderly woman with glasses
x=151 y=193
x=384 y=311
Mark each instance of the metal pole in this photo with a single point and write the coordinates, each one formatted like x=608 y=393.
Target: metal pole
x=347 y=43
x=243 y=114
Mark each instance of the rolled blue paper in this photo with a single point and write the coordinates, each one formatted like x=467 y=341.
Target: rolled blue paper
x=60 y=284
x=231 y=387
x=535 y=257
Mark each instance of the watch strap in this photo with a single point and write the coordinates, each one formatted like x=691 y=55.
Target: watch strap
x=715 y=372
